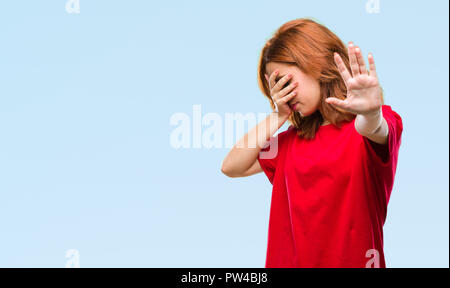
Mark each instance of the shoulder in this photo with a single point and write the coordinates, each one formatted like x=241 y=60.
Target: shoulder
x=286 y=133
x=279 y=139
x=389 y=112
x=393 y=119
x=284 y=137
x=384 y=154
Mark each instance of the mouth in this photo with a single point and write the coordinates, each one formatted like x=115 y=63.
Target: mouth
x=293 y=105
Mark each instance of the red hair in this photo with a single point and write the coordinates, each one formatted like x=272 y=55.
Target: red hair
x=310 y=46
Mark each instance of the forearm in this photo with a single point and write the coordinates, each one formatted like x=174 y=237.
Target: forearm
x=373 y=126
x=245 y=152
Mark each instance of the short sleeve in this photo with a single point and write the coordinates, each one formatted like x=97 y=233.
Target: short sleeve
x=270 y=154
x=384 y=155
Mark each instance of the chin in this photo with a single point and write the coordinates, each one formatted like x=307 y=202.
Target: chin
x=303 y=112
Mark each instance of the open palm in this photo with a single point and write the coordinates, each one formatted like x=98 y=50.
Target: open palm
x=363 y=89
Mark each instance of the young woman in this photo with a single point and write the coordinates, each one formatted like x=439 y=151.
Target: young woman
x=333 y=169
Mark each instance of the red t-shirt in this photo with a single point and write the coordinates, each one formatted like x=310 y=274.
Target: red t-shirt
x=330 y=196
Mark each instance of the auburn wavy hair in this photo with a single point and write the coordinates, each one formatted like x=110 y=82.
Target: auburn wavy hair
x=310 y=46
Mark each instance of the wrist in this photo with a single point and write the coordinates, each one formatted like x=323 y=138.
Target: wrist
x=368 y=123
x=373 y=113
x=281 y=117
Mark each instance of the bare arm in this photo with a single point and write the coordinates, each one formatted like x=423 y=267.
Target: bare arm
x=373 y=126
x=242 y=160
x=364 y=95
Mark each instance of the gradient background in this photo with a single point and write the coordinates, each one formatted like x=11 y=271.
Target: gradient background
x=85 y=103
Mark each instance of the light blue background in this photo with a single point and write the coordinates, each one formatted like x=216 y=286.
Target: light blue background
x=85 y=103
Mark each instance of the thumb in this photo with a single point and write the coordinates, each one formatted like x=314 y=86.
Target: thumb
x=336 y=102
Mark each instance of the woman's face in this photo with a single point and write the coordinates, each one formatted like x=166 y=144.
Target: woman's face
x=308 y=89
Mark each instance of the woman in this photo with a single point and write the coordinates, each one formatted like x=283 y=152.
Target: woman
x=333 y=169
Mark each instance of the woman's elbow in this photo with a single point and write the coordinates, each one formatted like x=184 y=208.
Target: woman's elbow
x=228 y=172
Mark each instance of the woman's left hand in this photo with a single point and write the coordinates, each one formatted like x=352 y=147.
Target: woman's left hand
x=363 y=89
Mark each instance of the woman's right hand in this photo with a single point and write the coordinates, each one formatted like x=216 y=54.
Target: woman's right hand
x=281 y=93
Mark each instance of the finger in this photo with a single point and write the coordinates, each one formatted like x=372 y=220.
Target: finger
x=361 y=63
x=267 y=79
x=272 y=78
x=342 y=68
x=372 y=71
x=287 y=89
x=286 y=98
x=353 y=62
x=337 y=102
x=281 y=83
